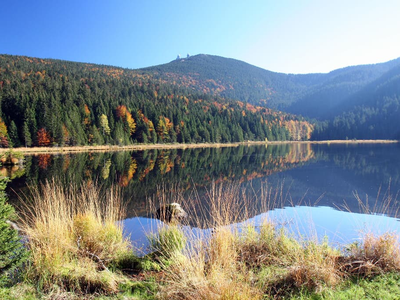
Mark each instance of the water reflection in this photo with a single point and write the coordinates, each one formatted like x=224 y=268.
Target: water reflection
x=313 y=175
x=339 y=228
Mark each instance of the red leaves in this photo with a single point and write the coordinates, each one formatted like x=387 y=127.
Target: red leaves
x=43 y=138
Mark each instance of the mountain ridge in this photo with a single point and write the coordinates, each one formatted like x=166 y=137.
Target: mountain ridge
x=331 y=98
x=223 y=76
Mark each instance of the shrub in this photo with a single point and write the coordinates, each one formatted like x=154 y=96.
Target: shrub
x=168 y=240
x=12 y=252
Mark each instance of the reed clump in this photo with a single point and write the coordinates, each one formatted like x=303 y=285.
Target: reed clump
x=237 y=259
x=375 y=254
x=74 y=238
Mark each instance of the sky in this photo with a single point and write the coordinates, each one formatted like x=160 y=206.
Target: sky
x=289 y=36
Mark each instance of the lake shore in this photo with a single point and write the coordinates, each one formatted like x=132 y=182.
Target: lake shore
x=259 y=262
x=115 y=148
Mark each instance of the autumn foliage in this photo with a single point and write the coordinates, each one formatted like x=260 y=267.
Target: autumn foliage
x=43 y=137
x=123 y=113
x=44 y=160
x=83 y=104
x=3 y=134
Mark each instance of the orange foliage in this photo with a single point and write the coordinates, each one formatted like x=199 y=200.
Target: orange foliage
x=44 y=160
x=127 y=177
x=66 y=133
x=87 y=110
x=67 y=161
x=165 y=164
x=43 y=137
x=124 y=114
x=121 y=111
x=299 y=130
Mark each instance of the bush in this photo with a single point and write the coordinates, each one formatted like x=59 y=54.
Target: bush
x=12 y=252
x=169 y=240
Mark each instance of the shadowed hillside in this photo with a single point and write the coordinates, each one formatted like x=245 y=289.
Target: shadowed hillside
x=312 y=95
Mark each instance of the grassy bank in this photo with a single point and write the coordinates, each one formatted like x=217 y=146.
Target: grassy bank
x=114 y=148
x=78 y=251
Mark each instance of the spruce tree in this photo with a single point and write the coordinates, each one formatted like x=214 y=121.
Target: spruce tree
x=12 y=252
x=13 y=134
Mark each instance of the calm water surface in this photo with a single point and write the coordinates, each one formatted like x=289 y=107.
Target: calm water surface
x=321 y=186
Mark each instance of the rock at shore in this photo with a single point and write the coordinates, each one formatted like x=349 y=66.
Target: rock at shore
x=171 y=213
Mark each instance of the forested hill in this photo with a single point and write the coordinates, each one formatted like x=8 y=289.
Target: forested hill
x=53 y=102
x=311 y=95
x=371 y=113
x=353 y=102
x=232 y=78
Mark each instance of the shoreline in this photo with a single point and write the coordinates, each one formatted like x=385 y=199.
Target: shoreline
x=141 y=147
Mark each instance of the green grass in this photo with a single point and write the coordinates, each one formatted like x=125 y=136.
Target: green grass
x=19 y=291
x=385 y=286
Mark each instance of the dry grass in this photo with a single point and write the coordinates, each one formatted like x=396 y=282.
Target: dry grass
x=111 y=148
x=74 y=236
x=374 y=255
x=248 y=261
x=114 y=148
x=207 y=268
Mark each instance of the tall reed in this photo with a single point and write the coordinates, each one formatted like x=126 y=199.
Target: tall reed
x=74 y=237
x=233 y=258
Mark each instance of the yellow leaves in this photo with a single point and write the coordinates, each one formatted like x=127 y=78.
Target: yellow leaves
x=87 y=110
x=299 y=130
x=164 y=126
x=151 y=126
x=3 y=129
x=127 y=177
x=131 y=122
x=104 y=124
x=124 y=114
x=165 y=163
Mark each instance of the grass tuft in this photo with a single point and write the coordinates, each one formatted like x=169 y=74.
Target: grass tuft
x=373 y=255
x=74 y=237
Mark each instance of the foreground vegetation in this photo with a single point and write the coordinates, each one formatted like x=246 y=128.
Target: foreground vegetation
x=77 y=250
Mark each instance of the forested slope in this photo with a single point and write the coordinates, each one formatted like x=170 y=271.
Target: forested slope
x=53 y=102
x=311 y=95
x=372 y=113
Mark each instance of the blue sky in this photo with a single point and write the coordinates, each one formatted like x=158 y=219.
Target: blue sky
x=280 y=35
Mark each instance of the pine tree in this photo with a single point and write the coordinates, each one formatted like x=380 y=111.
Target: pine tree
x=13 y=134
x=27 y=135
x=12 y=252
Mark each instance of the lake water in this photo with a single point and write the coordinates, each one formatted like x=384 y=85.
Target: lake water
x=331 y=190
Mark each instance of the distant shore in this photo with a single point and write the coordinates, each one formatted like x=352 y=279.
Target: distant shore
x=115 y=148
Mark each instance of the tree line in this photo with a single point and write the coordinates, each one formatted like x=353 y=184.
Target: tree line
x=52 y=102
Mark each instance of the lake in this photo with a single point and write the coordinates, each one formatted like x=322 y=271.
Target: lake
x=332 y=190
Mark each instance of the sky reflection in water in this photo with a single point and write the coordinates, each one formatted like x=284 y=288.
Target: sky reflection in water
x=340 y=227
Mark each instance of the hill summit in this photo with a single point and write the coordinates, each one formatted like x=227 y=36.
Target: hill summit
x=355 y=97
